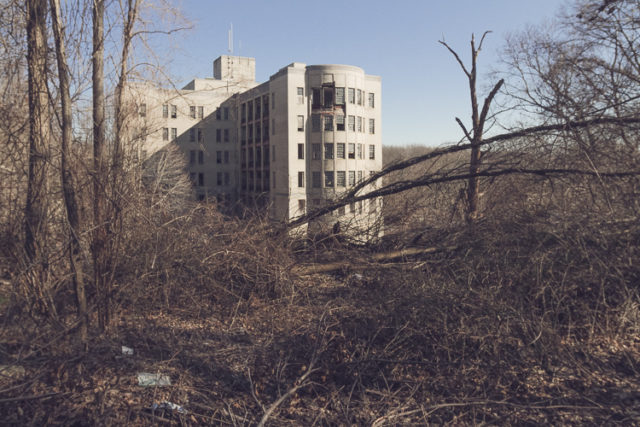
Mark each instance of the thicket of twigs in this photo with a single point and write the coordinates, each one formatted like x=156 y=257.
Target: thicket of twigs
x=529 y=316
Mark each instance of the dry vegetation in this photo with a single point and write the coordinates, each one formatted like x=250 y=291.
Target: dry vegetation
x=529 y=313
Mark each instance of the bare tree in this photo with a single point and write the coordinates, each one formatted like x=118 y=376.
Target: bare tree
x=100 y=170
x=37 y=189
x=478 y=121
x=66 y=174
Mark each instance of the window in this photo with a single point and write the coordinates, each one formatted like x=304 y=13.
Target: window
x=192 y=135
x=371 y=100
x=226 y=113
x=273 y=105
x=359 y=176
x=226 y=135
x=352 y=95
x=174 y=112
x=257 y=102
x=328 y=123
x=359 y=124
x=258 y=132
x=266 y=156
x=226 y=178
x=372 y=152
x=315 y=122
x=250 y=151
x=192 y=178
x=372 y=126
x=165 y=134
x=316 y=179
x=316 y=100
x=273 y=126
x=219 y=157
x=243 y=135
x=192 y=157
x=226 y=157
x=174 y=133
x=258 y=157
x=265 y=129
x=250 y=180
x=273 y=153
x=200 y=112
x=192 y=112
x=352 y=123
x=218 y=135
x=340 y=150
x=352 y=150
x=200 y=179
x=339 y=122
x=200 y=136
x=300 y=179
x=258 y=181
x=142 y=109
x=300 y=92
x=265 y=112
x=316 y=151
x=328 y=97
x=273 y=179
x=165 y=111
x=243 y=181
x=340 y=180
x=328 y=151
x=301 y=151
x=243 y=157
x=328 y=178
x=250 y=110
x=301 y=206
x=360 y=155
x=359 y=97
x=352 y=178
x=250 y=134
x=219 y=178
x=200 y=157
x=243 y=113
x=339 y=96
x=300 y=123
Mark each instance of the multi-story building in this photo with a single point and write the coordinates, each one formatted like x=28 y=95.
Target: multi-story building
x=287 y=145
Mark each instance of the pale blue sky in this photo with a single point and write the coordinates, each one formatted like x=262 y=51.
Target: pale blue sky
x=423 y=89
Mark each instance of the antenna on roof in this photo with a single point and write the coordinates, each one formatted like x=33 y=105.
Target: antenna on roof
x=231 y=39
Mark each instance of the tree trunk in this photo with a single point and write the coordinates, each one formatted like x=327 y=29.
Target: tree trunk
x=100 y=172
x=68 y=184
x=37 y=189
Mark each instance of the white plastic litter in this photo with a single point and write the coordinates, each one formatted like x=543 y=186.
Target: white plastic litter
x=168 y=406
x=146 y=379
x=127 y=351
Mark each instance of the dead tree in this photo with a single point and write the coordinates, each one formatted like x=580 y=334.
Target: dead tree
x=478 y=121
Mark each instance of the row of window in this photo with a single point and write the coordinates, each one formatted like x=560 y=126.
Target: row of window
x=352 y=151
x=260 y=182
x=333 y=178
x=257 y=108
x=326 y=122
x=247 y=157
x=196 y=134
x=329 y=96
x=352 y=207
x=261 y=132
x=195 y=111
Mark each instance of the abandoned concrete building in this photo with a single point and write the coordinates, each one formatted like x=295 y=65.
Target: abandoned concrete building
x=287 y=145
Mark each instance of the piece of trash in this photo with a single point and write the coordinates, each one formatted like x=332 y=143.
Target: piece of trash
x=170 y=406
x=11 y=371
x=146 y=379
x=127 y=351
